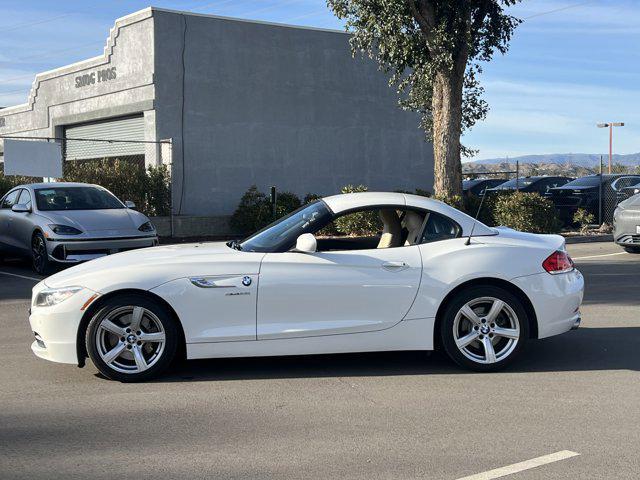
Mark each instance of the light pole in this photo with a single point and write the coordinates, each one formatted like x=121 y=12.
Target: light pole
x=610 y=125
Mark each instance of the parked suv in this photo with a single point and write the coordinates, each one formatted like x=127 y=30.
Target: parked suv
x=584 y=193
x=541 y=185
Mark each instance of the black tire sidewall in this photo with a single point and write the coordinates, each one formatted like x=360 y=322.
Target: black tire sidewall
x=632 y=250
x=46 y=264
x=448 y=318
x=168 y=323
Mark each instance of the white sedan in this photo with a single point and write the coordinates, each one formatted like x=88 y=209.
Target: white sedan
x=411 y=274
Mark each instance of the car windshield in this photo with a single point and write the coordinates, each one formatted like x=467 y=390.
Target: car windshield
x=76 y=198
x=520 y=182
x=282 y=234
x=590 y=181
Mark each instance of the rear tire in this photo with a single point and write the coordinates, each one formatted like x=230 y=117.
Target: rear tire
x=632 y=249
x=132 y=338
x=484 y=328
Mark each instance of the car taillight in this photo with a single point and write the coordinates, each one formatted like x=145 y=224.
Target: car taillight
x=558 y=262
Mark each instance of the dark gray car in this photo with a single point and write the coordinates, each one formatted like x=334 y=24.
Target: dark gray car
x=69 y=223
x=626 y=224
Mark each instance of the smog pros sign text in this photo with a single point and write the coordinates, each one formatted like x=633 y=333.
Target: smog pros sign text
x=98 y=76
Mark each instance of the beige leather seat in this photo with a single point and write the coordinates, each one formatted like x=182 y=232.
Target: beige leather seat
x=391 y=229
x=413 y=222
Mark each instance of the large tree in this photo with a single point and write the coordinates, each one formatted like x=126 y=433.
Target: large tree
x=432 y=50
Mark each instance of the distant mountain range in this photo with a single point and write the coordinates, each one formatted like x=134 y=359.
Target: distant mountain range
x=588 y=160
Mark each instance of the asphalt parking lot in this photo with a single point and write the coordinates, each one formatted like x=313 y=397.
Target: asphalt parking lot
x=392 y=415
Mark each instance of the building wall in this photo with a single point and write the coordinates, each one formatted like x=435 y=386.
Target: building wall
x=55 y=99
x=275 y=105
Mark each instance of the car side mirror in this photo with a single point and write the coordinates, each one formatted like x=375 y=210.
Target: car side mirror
x=20 y=208
x=129 y=204
x=306 y=243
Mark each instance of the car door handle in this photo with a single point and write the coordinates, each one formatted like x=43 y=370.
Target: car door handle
x=395 y=266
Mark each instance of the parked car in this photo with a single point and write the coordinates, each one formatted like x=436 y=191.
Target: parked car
x=585 y=193
x=541 y=185
x=432 y=275
x=626 y=192
x=477 y=186
x=626 y=224
x=69 y=223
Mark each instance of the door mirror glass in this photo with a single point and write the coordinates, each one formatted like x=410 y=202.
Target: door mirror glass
x=306 y=243
x=129 y=204
x=20 y=208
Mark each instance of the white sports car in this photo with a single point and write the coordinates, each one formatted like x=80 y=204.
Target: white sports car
x=421 y=275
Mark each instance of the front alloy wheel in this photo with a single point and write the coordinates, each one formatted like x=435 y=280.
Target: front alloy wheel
x=484 y=327
x=39 y=255
x=131 y=338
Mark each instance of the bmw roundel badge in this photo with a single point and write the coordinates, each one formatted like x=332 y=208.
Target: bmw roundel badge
x=246 y=281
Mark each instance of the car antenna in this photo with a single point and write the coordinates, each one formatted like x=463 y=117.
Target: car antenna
x=475 y=220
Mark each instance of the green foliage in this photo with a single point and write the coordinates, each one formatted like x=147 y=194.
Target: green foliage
x=473 y=202
x=311 y=197
x=360 y=223
x=419 y=41
x=149 y=190
x=583 y=218
x=254 y=211
x=528 y=212
x=10 y=181
x=422 y=192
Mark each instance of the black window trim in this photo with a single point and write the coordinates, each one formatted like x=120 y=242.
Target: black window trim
x=15 y=189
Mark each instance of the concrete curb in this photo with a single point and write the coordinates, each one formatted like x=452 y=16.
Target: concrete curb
x=590 y=238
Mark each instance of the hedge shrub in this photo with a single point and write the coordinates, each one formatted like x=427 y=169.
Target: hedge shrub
x=360 y=223
x=528 y=212
x=254 y=211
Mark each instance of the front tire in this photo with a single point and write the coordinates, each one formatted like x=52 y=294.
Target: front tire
x=39 y=255
x=632 y=249
x=484 y=328
x=132 y=338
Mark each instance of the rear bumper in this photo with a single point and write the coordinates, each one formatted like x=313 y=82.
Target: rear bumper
x=75 y=251
x=556 y=300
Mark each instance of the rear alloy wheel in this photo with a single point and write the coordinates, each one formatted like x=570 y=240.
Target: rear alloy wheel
x=632 y=249
x=39 y=256
x=484 y=328
x=132 y=338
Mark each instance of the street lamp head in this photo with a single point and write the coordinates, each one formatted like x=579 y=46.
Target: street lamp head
x=603 y=125
x=617 y=124
x=611 y=124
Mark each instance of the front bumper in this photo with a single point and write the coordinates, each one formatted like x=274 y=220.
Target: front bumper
x=626 y=228
x=556 y=300
x=55 y=328
x=80 y=250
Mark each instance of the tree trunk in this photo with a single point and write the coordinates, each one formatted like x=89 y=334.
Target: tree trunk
x=446 y=107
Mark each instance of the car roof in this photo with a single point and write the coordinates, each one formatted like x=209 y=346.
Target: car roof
x=349 y=201
x=57 y=184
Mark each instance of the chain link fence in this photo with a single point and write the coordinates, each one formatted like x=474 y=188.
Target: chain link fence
x=137 y=171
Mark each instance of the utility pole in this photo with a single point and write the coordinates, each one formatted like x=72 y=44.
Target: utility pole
x=610 y=125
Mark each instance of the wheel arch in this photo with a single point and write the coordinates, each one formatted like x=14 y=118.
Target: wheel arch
x=81 y=347
x=488 y=281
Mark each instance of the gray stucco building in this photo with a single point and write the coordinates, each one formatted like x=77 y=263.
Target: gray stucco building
x=243 y=102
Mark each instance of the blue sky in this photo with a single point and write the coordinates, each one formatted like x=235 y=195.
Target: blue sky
x=571 y=65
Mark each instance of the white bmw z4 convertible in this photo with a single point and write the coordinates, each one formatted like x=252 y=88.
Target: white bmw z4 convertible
x=412 y=274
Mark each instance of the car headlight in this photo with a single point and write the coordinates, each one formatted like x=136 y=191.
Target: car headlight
x=53 y=296
x=146 y=227
x=64 y=229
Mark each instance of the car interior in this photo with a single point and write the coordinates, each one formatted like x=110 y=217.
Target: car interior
x=385 y=228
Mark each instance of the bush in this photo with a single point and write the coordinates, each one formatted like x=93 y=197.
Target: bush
x=528 y=212
x=10 y=181
x=360 y=223
x=149 y=190
x=254 y=210
x=583 y=218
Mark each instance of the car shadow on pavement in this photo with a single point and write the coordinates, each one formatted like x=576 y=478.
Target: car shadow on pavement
x=581 y=350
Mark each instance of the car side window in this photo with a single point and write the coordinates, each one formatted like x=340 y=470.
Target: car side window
x=438 y=227
x=11 y=199
x=25 y=198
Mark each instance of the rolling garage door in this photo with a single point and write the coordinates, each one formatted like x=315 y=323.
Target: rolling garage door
x=126 y=131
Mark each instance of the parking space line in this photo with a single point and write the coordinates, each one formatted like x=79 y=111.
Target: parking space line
x=603 y=255
x=22 y=276
x=519 y=467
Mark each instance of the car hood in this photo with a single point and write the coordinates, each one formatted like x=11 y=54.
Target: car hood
x=92 y=221
x=631 y=203
x=565 y=188
x=147 y=268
